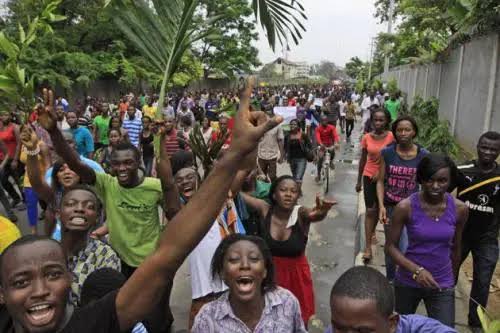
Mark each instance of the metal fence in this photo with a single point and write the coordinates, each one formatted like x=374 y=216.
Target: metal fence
x=467 y=85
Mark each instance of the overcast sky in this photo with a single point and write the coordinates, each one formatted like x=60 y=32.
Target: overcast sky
x=336 y=31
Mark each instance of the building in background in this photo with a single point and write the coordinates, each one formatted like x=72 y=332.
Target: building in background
x=286 y=69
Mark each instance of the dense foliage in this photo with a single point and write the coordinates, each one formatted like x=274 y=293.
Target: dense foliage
x=88 y=45
x=428 y=29
x=433 y=133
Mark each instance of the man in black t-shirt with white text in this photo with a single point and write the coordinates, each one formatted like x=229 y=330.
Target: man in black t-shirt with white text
x=478 y=185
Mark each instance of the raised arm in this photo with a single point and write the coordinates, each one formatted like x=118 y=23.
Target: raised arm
x=256 y=204
x=17 y=152
x=171 y=197
x=142 y=291
x=30 y=141
x=320 y=211
x=47 y=119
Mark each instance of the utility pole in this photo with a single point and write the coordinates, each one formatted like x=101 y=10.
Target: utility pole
x=389 y=31
x=372 y=41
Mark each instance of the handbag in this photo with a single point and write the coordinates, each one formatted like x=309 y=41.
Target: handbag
x=306 y=148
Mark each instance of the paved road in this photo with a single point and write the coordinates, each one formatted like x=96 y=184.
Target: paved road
x=331 y=246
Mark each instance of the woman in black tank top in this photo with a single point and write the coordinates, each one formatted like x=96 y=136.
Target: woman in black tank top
x=285 y=227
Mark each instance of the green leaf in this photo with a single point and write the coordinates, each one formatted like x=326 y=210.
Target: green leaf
x=7 y=84
x=22 y=34
x=7 y=47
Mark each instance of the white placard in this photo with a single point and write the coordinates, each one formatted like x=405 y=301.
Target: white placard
x=318 y=102
x=287 y=112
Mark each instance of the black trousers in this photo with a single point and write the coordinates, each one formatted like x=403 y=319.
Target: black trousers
x=484 y=260
x=160 y=320
x=349 y=126
x=7 y=185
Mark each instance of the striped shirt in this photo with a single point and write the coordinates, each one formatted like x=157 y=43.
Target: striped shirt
x=139 y=328
x=134 y=129
x=171 y=143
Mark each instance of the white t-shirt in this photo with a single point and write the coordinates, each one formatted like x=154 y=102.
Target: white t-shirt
x=342 y=108
x=138 y=115
x=200 y=261
x=367 y=102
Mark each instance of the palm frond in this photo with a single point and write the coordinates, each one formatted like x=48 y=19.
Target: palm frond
x=162 y=30
x=280 y=19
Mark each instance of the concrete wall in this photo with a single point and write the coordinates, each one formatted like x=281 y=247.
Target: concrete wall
x=467 y=86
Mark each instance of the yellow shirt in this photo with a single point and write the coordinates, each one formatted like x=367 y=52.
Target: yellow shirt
x=149 y=111
x=41 y=164
x=8 y=233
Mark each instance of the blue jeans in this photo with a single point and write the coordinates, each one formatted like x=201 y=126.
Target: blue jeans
x=390 y=267
x=298 y=168
x=31 y=205
x=484 y=260
x=440 y=304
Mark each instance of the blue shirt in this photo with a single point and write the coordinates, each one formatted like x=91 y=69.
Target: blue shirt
x=400 y=175
x=83 y=139
x=134 y=129
x=417 y=324
x=91 y=163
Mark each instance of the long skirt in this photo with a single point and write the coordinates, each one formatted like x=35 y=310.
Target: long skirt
x=293 y=273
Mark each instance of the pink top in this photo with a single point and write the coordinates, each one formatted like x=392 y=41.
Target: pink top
x=373 y=148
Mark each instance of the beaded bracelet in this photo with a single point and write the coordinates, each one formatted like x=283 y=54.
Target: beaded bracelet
x=33 y=152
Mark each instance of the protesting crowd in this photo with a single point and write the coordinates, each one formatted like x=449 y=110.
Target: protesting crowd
x=119 y=193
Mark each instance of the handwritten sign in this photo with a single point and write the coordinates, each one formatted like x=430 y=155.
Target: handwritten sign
x=287 y=112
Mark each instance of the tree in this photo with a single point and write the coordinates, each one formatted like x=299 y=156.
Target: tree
x=16 y=85
x=86 y=47
x=232 y=51
x=429 y=29
x=280 y=18
x=327 y=69
x=267 y=71
x=356 y=68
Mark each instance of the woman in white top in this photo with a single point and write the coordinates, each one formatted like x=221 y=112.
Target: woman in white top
x=204 y=287
x=207 y=130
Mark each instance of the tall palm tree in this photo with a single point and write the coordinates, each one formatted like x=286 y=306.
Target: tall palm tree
x=163 y=29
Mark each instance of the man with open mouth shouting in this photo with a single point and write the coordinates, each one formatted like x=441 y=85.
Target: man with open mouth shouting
x=34 y=277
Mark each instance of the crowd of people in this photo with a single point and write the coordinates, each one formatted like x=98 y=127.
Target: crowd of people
x=125 y=199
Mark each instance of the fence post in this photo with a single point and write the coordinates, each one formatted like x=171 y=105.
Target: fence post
x=415 y=78
x=426 y=80
x=439 y=81
x=491 y=88
x=457 y=91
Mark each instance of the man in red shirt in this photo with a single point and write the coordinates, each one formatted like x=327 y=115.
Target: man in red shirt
x=173 y=141
x=223 y=127
x=327 y=138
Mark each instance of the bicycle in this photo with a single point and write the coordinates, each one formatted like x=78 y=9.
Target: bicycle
x=324 y=176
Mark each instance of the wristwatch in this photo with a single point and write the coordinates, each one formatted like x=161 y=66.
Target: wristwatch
x=417 y=272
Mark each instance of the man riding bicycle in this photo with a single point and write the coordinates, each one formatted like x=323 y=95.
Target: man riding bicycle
x=327 y=138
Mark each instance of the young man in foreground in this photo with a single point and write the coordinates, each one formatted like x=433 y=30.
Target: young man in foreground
x=362 y=300
x=35 y=280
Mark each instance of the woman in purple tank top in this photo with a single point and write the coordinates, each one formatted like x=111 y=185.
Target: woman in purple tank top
x=434 y=221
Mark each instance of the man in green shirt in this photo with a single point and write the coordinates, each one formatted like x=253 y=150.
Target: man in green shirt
x=131 y=202
x=101 y=127
x=393 y=105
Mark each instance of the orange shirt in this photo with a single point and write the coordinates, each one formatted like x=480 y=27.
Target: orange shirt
x=374 y=147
